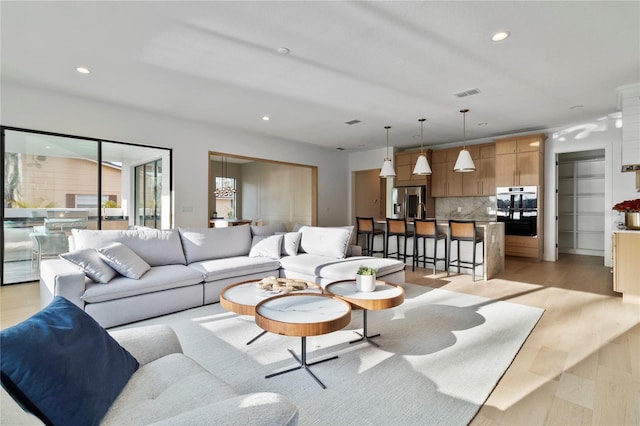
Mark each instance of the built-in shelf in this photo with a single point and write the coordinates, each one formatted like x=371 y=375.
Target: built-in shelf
x=581 y=203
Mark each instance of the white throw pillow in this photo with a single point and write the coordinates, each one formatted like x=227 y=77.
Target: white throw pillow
x=266 y=246
x=330 y=242
x=291 y=243
x=124 y=260
x=91 y=263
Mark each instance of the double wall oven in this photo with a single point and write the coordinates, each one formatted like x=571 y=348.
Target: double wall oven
x=518 y=209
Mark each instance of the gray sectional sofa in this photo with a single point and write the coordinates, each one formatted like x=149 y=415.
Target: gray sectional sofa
x=188 y=267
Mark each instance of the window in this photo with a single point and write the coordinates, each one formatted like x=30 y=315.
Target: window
x=148 y=204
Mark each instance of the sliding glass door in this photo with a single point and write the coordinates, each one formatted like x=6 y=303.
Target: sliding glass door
x=54 y=183
x=149 y=194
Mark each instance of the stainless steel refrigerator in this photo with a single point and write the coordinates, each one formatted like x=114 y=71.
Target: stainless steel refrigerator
x=409 y=202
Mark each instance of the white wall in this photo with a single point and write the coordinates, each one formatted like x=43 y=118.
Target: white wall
x=31 y=108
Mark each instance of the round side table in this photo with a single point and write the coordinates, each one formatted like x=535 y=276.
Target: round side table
x=386 y=295
x=303 y=315
x=242 y=298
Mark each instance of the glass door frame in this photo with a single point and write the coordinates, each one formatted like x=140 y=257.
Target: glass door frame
x=99 y=142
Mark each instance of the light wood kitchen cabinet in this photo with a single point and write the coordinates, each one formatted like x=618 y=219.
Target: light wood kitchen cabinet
x=625 y=252
x=404 y=163
x=482 y=181
x=444 y=181
x=519 y=161
x=515 y=245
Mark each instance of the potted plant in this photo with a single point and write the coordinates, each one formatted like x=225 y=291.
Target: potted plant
x=631 y=210
x=111 y=209
x=366 y=279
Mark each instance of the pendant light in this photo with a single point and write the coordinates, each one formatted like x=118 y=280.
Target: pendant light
x=225 y=191
x=387 y=167
x=464 y=164
x=422 y=165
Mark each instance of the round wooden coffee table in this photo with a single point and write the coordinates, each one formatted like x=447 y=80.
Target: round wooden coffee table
x=303 y=315
x=242 y=298
x=386 y=295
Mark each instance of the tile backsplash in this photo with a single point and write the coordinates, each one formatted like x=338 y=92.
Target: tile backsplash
x=477 y=208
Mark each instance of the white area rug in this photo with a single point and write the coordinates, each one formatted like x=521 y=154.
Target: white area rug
x=441 y=354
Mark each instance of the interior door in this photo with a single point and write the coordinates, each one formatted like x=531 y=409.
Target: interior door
x=369 y=194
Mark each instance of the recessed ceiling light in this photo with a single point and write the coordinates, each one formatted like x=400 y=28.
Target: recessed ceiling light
x=283 y=50
x=265 y=118
x=83 y=70
x=500 y=36
x=483 y=124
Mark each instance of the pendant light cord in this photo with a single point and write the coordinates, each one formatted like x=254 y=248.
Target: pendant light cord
x=464 y=127
x=421 y=120
x=387 y=127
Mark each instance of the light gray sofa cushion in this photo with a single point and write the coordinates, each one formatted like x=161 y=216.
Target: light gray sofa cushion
x=215 y=243
x=218 y=269
x=156 y=279
x=164 y=388
x=338 y=269
x=324 y=241
x=156 y=247
x=268 y=229
x=124 y=260
x=255 y=409
x=175 y=390
x=348 y=267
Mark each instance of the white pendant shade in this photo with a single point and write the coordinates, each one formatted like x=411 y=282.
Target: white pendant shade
x=422 y=166
x=464 y=163
x=387 y=169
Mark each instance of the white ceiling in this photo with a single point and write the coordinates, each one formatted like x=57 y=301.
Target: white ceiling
x=384 y=63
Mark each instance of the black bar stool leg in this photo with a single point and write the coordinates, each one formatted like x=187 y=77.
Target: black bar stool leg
x=435 y=254
x=473 y=263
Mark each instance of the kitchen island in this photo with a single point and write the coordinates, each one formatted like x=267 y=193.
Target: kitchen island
x=625 y=253
x=493 y=254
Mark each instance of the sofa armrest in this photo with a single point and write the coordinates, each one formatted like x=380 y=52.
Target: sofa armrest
x=148 y=343
x=256 y=409
x=61 y=278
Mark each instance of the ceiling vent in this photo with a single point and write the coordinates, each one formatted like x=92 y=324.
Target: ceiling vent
x=340 y=148
x=352 y=122
x=469 y=92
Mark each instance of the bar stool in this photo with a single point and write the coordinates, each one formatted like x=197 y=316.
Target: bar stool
x=427 y=229
x=397 y=228
x=365 y=226
x=465 y=230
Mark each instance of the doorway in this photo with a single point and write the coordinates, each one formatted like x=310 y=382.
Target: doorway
x=369 y=194
x=580 y=202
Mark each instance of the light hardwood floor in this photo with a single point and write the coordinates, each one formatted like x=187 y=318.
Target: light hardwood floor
x=579 y=366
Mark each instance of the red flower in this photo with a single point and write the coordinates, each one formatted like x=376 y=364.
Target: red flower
x=629 y=206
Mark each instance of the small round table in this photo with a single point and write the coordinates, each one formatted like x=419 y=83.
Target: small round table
x=303 y=315
x=242 y=298
x=386 y=295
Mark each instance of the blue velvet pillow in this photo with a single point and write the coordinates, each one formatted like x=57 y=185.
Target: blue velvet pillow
x=62 y=366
